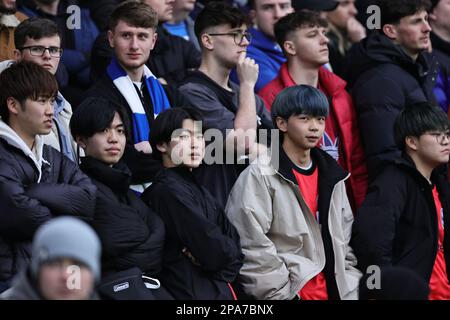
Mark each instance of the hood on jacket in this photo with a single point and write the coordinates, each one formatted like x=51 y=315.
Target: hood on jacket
x=377 y=49
x=263 y=43
x=13 y=139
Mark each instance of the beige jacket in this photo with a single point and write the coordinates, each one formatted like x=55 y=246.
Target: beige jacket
x=280 y=238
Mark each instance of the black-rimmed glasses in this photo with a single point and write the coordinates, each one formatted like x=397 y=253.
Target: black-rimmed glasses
x=39 y=51
x=440 y=136
x=238 y=36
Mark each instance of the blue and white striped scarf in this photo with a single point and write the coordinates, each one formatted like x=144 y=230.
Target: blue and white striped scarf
x=124 y=84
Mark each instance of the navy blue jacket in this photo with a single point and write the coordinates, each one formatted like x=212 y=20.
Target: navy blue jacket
x=30 y=197
x=132 y=235
x=384 y=79
x=441 y=49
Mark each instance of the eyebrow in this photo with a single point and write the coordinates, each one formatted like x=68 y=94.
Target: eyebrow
x=238 y=29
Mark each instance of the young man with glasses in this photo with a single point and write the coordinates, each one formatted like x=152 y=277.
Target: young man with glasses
x=232 y=109
x=264 y=48
x=405 y=217
x=37 y=40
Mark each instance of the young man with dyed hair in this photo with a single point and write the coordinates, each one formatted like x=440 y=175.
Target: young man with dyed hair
x=302 y=35
x=292 y=211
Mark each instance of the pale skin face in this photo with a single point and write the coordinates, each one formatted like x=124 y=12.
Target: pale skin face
x=268 y=12
x=53 y=280
x=187 y=147
x=344 y=11
x=412 y=33
x=108 y=145
x=440 y=19
x=226 y=51
x=301 y=134
x=184 y=5
x=308 y=45
x=163 y=8
x=302 y=131
x=181 y=10
x=132 y=46
x=48 y=62
x=9 y=5
x=429 y=152
x=31 y=118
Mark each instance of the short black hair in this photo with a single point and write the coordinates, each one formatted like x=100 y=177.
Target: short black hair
x=416 y=119
x=25 y=80
x=94 y=115
x=34 y=28
x=166 y=123
x=217 y=13
x=394 y=10
x=295 y=20
x=300 y=99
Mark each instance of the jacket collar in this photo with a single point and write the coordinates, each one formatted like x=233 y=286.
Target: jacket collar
x=378 y=49
x=330 y=173
x=13 y=139
x=328 y=81
x=163 y=42
x=405 y=162
x=117 y=177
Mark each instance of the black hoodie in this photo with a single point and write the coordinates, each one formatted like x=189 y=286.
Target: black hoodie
x=397 y=223
x=384 y=79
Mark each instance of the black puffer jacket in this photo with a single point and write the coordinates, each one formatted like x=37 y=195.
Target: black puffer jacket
x=195 y=225
x=142 y=165
x=34 y=189
x=132 y=235
x=384 y=79
x=397 y=223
